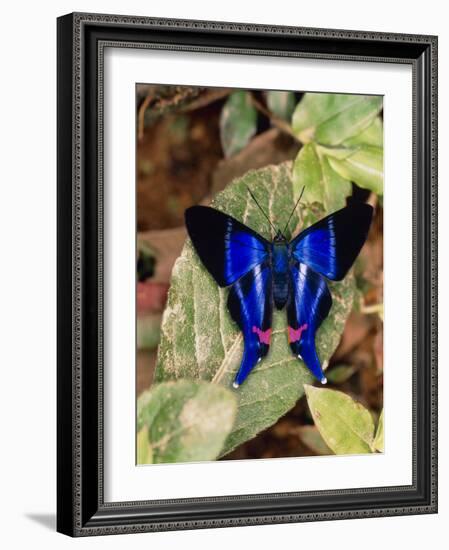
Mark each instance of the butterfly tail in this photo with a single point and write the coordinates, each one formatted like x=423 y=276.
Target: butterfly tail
x=306 y=350
x=253 y=352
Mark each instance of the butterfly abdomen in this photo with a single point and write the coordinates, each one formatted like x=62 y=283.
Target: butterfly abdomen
x=280 y=259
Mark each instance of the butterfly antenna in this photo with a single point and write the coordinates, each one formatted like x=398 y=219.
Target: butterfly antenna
x=294 y=208
x=262 y=210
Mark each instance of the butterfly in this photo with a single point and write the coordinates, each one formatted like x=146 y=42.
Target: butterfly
x=261 y=274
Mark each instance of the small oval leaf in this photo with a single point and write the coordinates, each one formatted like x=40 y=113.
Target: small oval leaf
x=185 y=420
x=281 y=104
x=238 y=122
x=346 y=426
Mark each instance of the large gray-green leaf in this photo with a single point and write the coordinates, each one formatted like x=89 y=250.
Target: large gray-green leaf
x=346 y=426
x=184 y=421
x=199 y=339
x=282 y=104
x=238 y=122
x=332 y=118
x=322 y=184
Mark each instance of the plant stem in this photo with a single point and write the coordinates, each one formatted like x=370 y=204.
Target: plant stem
x=141 y=115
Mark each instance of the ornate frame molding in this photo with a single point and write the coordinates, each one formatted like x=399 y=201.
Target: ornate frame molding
x=81 y=41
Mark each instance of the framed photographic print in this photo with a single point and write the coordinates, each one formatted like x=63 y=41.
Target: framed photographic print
x=247 y=288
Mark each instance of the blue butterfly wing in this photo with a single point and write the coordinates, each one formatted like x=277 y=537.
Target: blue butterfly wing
x=328 y=248
x=331 y=245
x=227 y=248
x=238 y=257
x=250 y=303
x=309 y=304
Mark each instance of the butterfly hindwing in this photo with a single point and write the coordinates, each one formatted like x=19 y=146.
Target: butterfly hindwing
x=331 y=245
x=250 y=303
x=227 y=248
x=308 y=305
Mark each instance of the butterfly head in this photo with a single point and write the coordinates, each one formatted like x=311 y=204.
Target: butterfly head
x=279 y=238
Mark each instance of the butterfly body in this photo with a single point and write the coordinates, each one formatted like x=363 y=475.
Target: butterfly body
x=280 y=259
x=263 y=274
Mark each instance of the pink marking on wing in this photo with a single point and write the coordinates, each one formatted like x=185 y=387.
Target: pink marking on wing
x=264 y=335
x=295 y=334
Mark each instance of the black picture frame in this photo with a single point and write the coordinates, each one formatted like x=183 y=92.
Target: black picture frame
x=81 y=509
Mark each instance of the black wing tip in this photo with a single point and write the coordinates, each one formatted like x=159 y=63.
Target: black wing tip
x=361 y=207
x=367 y=213
x=202 y=213
x=197 y=216
x=189 y=218
x=358 y=228
x=365 y=207
x=359 y=210
x=193 y=210
x=362 y=212
x=199 y=208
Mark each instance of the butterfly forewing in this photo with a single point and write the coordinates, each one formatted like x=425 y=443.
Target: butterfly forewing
x=331 y=245
x=227 y=248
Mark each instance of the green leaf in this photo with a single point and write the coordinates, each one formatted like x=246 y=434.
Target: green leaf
x=322 y=184
x=238 y=122
x=360 y=158
x=346 y=426
x=311 y=437
x=364 y=166
x=340 y=373
x=144 y=451
x=186 y=420
x=330 y=119
x=282 y=104
x=379 y=439
x=199 y=340
x=148 y=331
x=373 y=135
